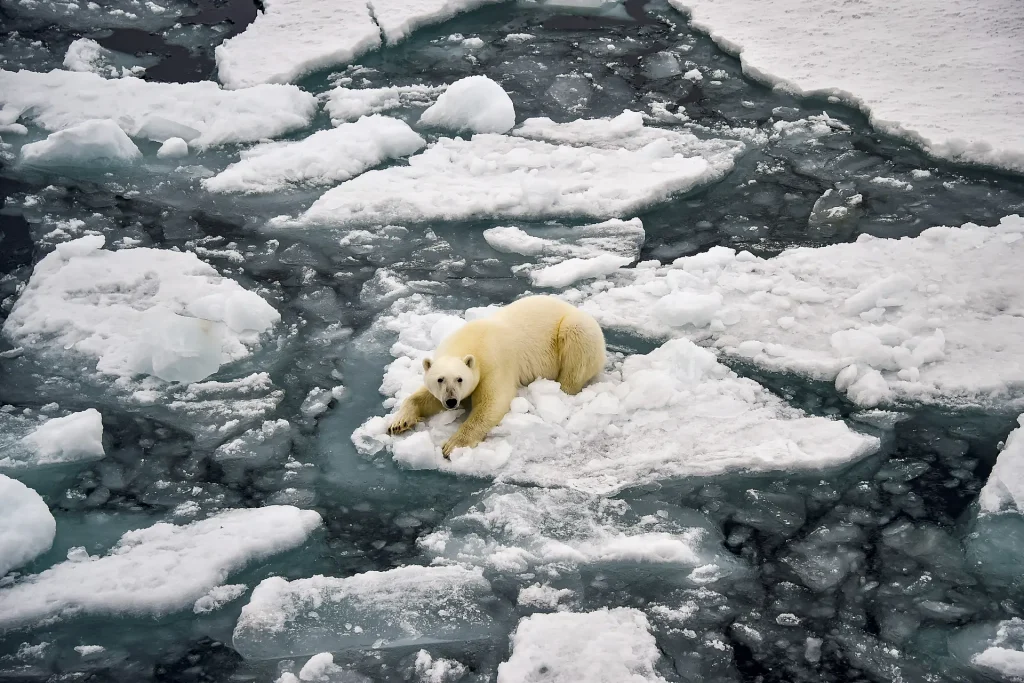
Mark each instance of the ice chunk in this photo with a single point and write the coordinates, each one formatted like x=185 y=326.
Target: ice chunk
x=943 y=329
x=1004 y=490
x=218 y=597
x=27 y=528
x=622 y=238
x=475 y=104
x=318 y=668
x=606 y=646
x=347 y=104
x=397 y=608
x=61 y=99
x=84 y=54
x=159 y=312
x=270 y=442
x=292 y=38
x=688 y=414
x=438 y=670
x=76 y=437
x=994 y=649
x=99 y=141
x=323 y=158
x=575 y=269
x=172 y=148
x=133 y=577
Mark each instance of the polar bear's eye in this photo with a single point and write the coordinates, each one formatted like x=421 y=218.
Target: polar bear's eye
x=460 y=380
x=440 y=380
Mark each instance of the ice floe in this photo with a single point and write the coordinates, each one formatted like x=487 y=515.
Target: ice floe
x=201 y=113
x=675 y=412
x=349 y=104
x=27 y=528
x=399 y=18
x=1004 y=490
x=937 y=75
x=475 y=104
x=94 y=142
x=936 y=318
x=72 y=438
x=156 y=570
x=324 y=158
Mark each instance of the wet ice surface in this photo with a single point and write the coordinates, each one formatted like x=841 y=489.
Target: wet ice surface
x=879 y=567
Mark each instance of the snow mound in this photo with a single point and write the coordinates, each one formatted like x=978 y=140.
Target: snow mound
x=675 y=412
x=513 y=177
x=99 y=141
x=396 y=608
x=200 y=113
x=399 y=18
x=606 y=646
x=133 y=577
x=75 y=437
x=348 y=104
x=137 y=311
x=323 y=158
x=292 y=38
x=1004 y=490
x=27 y=528
x=936 y=75
x=84 y=54
x=472 y=105
x=936 y=318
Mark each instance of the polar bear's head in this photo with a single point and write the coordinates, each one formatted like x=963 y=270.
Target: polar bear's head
x=451 y=379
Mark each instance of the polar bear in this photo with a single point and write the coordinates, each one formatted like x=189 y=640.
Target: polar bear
x=487 y=360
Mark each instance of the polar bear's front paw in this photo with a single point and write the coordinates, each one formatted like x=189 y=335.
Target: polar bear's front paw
x=457 y=441
x=402 y=423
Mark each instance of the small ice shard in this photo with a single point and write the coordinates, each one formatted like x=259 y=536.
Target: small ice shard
x=475 y=104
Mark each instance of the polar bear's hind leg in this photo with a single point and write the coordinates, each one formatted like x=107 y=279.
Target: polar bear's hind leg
x=580 y=351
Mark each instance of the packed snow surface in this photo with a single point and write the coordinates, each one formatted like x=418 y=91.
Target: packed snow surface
x=75 y=437
x=26 y=526
x=323 y=158
x=349 y=104
x=675 y=412
x=475 y=104
x=200 y=113
x=939 y=74
x=1004 y=489
x=99 y=141
x=395 y=608
x=598 y=169
x=137 y=311
x=292 y=38
x=606 y=646
x=936 y=318
x=156 y=570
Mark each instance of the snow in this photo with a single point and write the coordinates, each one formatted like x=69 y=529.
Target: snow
x=201 y=113
x=936 y=318
x=616 y=237
x=605 y=646
x=675 y=412
x=151 y=311
x=318 y=667
x=1004 y=654
x=172 y=148
x=935 y=74
x=99 y=141
x=540 y=596
x=572 y=270
x=27 y=528
x=399 y=18
x=475 y=104
x=1004 y=490
x=133 y=578
x=348 y=104
x=592 y=169
x=324 y=158
x=293 y=38
x=218 y=597
x=73 y=438
x=438 y=670
x=394 y=608
x=87 y=650
x=84 y=54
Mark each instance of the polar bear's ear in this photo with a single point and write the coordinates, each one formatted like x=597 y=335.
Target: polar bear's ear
x=426 y=364
x=470 y=361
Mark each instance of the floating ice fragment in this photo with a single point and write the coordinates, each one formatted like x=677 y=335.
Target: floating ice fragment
x=99 y=141
x=78 y=436
x=475 y=104
x=27 y=528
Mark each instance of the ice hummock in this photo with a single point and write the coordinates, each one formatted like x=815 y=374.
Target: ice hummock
x=27 y=528
x=400 y=607
x=156 y=570
x=604 y=646
x=73 y=438
x=201 y=113
x=936 y=318
x=324 y=158
x=94 y=142
x=137 y=311
x=685 y=412
x=475 y=104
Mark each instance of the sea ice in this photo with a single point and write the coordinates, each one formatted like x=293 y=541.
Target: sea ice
x=618 y=237
x=936 y=75
x=172 y=148
x=399 y=18
x=396 y=608
x=75 y=437
x=84 y=54
x=675 y=412
x=994 y=649
x=156 y=570
x=27 y=528
x=475 y=104
x=575 y=269
x=605 y=646
x=324 y=158
x=1004 y=490
x=201 y=113
x=90 y=143
x=349 y=104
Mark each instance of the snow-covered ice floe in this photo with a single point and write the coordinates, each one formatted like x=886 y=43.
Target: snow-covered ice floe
x=349 y=104
x=993 y=649
x=27 y=528
x=475 y=104
x=605 y=646
x=324 y=158
x=672 y=413
x=200 y=113
x=936 y=318
x=597 y=169
x=157 y=570
x=27 y=444
x=936 y=74
x=94 y=142
x=395 y=608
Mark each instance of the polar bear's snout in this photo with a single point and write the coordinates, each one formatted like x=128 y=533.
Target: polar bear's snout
x=451 y=403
